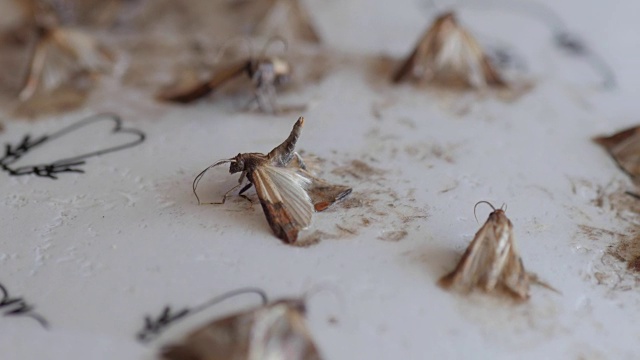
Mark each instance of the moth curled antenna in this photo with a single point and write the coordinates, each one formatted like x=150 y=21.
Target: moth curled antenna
x=337 y=294
x=481 y=202
x=273 y=40
x=201 y=174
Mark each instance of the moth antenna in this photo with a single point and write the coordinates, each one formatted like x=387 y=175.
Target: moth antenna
x=230 y=294
x=504 y=207
x=272 y=40
x=325 y=287
x=230 y=42
x=481 y=202
x=201 y=174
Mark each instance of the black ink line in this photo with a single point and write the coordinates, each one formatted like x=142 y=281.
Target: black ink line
x=153 y=327
x=72 y=164
x=11 y=306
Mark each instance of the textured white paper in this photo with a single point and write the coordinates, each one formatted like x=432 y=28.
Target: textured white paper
x=96 y=252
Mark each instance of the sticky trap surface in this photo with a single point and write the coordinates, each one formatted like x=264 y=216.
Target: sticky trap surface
x=96 y=251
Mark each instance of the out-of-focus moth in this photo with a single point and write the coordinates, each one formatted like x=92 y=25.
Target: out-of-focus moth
x=61 y=54
x=273 y=331
x=491 y=261
x=288 y=193
x=447 y=54
x=624 y=147
x=266 y=74
x=289 y=19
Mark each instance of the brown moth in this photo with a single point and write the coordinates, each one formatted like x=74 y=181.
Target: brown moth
x=491 y=261
x=447 y=54
x=266 y=73
x=288 y=193
x=273 y=331
x=60 y=54
x=624 y=147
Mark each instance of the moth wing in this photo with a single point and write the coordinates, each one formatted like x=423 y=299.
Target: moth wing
x=85 y=49
x=322 y=193
x=57 y=67
x=287 y=18
x=483 y=72
x=514 y=277
x=476 y=262
x=284 y=199
x=303 y=25
x=281 y=333
x=418 y=56
x=624 y=147
x=223 y=339
x=201 y=89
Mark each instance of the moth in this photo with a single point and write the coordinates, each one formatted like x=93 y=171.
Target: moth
x=60 y=54
x=624 y=147
x=288 y=193
x=273 y=331
x=491 y=261
x=288 y=12
x=266 y=74
x=449 y=55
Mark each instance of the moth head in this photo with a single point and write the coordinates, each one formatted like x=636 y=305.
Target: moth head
x=236 y=164
x=446 y=19
x=273 y=65
x=496 y=212
x=298 y=305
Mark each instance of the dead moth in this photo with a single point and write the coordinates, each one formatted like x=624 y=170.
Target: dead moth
x=266 y=74
x=447 y=54
x=273 y=331
x=624 y=147
x=491 y=261
x=288 y=193
x=62 y=54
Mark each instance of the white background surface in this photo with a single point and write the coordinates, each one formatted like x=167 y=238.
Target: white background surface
x=95 y=252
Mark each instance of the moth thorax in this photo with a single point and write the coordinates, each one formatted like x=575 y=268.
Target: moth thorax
x=280 y=66
x=296 y=304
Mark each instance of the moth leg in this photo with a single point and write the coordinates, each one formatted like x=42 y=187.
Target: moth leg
x=226 y=195
x=301 y=163
x=265 y=95
x=242 y=195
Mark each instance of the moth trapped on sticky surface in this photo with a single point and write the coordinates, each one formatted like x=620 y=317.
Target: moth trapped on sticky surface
x=448 y=55
x=288 y=193
x=624 y=147
x=491 y=262
x=62 y=54
x=274 y=331
x=265 y=72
